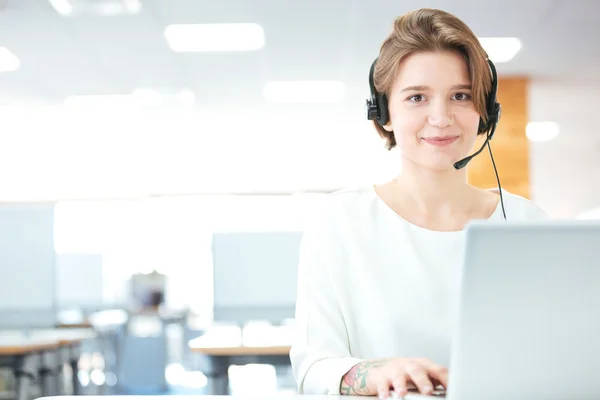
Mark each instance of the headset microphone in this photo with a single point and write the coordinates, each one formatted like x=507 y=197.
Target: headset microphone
x=463 y=163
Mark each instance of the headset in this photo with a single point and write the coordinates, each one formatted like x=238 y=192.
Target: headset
x=377 y=110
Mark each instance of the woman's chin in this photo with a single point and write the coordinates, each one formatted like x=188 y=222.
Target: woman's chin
x=440 y=163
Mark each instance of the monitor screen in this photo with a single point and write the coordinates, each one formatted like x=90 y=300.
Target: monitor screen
x=255 y=275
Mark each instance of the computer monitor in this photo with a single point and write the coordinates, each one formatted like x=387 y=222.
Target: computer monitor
x=255 y=275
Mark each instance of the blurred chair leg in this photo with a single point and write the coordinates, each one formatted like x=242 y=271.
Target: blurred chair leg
x=26 y=369
x=49 y=373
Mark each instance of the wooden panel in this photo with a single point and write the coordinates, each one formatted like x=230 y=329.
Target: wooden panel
x=510 y=146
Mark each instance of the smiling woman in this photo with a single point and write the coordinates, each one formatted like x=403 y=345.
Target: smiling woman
x=426 y=119
x=379 y=268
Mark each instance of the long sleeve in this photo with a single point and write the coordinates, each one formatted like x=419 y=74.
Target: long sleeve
x=320 y=355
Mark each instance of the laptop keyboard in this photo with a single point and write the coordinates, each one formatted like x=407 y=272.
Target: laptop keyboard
x=439 y=393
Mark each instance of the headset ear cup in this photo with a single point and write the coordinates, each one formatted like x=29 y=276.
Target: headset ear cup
x=496 y=117
x=482 y=126
x=384 y=112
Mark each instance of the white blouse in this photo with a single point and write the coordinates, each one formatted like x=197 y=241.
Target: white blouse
x=371 y=285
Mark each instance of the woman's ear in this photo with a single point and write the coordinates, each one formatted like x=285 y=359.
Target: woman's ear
x=388 y=126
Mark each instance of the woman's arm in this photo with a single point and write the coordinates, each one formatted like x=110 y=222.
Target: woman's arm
x=320 y=353
x=359 y=380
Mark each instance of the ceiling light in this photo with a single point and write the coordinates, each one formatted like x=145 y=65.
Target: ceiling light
x=8 y=61
x=138 y=99
x=304 y=91
x=501 y=50
x=542 y=131
x=63 y=7
x=215 y=37
x=97 y=7
x=134 y=6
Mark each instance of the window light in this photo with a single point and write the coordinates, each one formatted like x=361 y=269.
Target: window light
x=304 y=91
x=542 y=131
x=501 y=50
x=215 y=37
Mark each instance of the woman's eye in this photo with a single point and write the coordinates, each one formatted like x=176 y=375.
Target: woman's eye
x=462 y=96
x=417 y=98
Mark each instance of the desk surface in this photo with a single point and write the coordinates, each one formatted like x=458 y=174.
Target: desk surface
x=17 y=342
x=65 y=336
x=208 y=397
x=15 y=346
x=250 y=341
x=234 y=397
x=239 y=350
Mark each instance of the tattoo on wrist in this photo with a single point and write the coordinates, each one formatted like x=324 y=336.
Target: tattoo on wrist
x=355 y=380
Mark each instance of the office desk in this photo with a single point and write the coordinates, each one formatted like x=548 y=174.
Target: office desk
x=69 y=352
x=241 y=350
x=211 y=397
x=28 y=359
x=42 y=352
x=226 y=346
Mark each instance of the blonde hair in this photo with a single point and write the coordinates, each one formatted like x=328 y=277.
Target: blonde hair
x=431 y=30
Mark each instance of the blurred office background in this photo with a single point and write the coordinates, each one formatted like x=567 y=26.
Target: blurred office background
x=159 y=159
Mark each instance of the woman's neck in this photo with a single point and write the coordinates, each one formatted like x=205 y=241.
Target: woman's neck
x=434 y=192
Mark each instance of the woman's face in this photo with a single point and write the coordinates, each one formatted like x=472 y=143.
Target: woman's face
x=431 y=109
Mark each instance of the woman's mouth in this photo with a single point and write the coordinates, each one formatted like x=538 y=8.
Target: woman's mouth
x=440 y=140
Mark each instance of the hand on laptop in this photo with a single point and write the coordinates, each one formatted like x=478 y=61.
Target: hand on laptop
x=379 y=377
x=400 y=374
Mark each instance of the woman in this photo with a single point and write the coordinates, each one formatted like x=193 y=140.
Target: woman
x=378 y=273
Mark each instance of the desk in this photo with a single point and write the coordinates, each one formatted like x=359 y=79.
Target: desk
x=240 y=350
x=28 y=358
x=211 y=397
x=226 y=346
x=69 y=352
x=75 y=325
x=42 y=353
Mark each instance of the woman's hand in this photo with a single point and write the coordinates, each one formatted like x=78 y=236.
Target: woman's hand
x=379 y=377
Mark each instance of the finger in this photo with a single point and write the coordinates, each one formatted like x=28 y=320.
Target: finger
x=418 y=374
x=383 y=389
x=437 y=372
x=440 y=374
x=400 y=385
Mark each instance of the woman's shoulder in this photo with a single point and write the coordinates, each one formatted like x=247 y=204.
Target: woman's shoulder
x=519 y=207
x=349 y=205
x=349 y=202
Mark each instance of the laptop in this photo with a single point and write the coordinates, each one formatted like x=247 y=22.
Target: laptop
x=529 y=313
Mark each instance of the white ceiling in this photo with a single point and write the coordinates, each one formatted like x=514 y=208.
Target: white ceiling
x=305 y=39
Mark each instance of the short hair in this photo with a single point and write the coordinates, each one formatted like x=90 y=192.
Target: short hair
x=427 y=30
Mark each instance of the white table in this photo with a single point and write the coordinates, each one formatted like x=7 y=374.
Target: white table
x=229 y=345
x=209 y=397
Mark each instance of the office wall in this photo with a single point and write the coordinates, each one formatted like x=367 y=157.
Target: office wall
x=559 y=175
x=510 y=146
x=564 y=172
x=27 y=264
x=79 y=280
